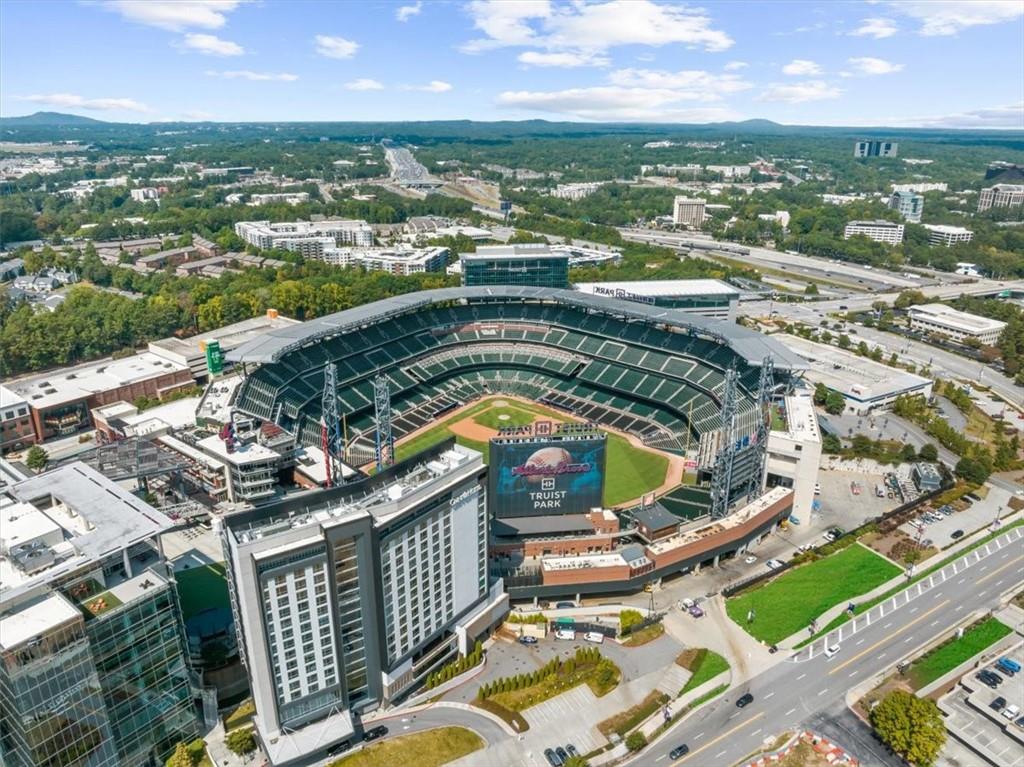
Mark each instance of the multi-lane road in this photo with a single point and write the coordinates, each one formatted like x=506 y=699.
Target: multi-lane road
x=794 y=692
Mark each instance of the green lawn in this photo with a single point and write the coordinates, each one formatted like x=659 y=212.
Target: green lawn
x=790 y=602
x=948 y=656
x=200 y=588
x=423 y=749
x=629 y=471
x=705 y=665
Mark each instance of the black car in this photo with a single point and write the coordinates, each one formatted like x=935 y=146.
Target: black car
x=337 y=748
x=744 y=700
x=988 y=679
x=376 y=732
x=553 y=758
x=679 y=751
x=956 y=534
x=998 y=704
x=571 y=749
x=562 y=754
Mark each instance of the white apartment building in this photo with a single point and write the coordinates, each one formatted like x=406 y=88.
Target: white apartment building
x=780 y=216
x=398 y=260
x=306 y=237
x=909 y=204
x=575 y=191
x=688 y=211
x=794 y=455
x=1001 y=196
x=921 y=188
x=960 y=326
x=879 y=231
x=729 y=171
x=144 y=194
x=941 y=234
x=346 y=598
x=291 y=198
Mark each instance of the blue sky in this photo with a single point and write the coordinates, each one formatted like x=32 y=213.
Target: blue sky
x=933 y=63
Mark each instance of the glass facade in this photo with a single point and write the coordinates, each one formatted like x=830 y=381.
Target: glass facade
x=139 y=653
x=351 y=620
x=536 y=271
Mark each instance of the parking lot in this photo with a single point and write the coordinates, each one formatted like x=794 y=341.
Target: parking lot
x=841 y=506
x=972 y=719
x=976 y=516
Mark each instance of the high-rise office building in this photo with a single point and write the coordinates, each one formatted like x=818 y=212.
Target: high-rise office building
x=875 y=148
x=347 y=599
x=94 y=667
x=1001 y=196
x=909 y=204
x=535 y=265
x=687 y=211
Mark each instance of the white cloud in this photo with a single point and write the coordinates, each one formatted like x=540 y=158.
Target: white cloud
x=196 y=115
x=1009 y=116
x=687 y=84
x=175 y=15
x=434 y=86
x=735 y=66
x=73 y=101
x=949 y=17
x=801 y=68
x=613 y=103
x=211 y=45
x=798 y=93
x=246 y=74
x=363 y=84
x=590 y=27
x=566 y=59
x=335 y=47
x=406 y=12
x=866 y=65
x=877 y=28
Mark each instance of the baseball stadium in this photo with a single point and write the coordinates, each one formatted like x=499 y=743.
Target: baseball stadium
x=479 y=364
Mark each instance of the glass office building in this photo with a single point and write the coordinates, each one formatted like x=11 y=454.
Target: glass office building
x=532 y=265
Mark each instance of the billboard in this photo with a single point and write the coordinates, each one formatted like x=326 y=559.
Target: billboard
x=546 y=475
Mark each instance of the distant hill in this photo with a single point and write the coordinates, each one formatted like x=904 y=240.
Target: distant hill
x=43 y=119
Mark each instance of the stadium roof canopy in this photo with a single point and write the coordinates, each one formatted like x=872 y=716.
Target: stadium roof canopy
x=750 y=345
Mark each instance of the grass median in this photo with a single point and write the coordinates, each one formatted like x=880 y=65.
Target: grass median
x=423 y=749
x=952 y=653
x=789 y=603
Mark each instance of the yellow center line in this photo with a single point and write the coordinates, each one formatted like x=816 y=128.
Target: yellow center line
x=994 y=573
x=889 y=638
x=725 y=734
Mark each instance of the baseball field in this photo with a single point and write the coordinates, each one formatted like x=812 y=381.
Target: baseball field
x=631 y=469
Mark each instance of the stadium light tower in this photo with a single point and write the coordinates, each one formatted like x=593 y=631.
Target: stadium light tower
x=721 y=480
x=330 y=423
x=765 y=388
x=382 y=415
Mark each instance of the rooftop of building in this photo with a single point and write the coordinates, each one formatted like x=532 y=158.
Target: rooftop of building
x=876 y=222
x=946 y=229
x=64 y=518
x=947 y=315
x=801 y=420
x=849 y=373
x=927 y=471
x=549 y=524
x=655 y=517
x=177 y=414
x=521 y=250
x=381 y=496
x=244 y=453
x=652 y=288
x=83 y=381
x=229 y=336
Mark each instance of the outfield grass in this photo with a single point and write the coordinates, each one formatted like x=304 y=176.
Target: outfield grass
x=423 y=749
x=629 y=471
x=790 y=602
x=200 y=588
x=947 y=657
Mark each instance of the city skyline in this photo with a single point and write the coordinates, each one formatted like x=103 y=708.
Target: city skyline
x=899 y=64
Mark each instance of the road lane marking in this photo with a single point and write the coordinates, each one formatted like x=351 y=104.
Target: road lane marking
x=853 y=674
x=887 y=625
x=663 y=756
x=883 y=641
x=996 y=572
x=959 y=608
x=724 y=735
x=800 y=677
x=914 y=609
x=791 y=711
x=860 y=642
x=698 y=735
x=720 y=754
x=822 y=692
x=766 y=697
x=934 y=622
x=880 y=656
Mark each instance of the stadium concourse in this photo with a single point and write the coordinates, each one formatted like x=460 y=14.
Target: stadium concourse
x=655 y=373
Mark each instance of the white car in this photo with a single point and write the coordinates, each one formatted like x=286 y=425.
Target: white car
x=594 y=636
x=832 y=651
x=830 y=536
x=686 y=603
x=1010 y=712
x=750 y=559
x=565 y=634
x=773 y=564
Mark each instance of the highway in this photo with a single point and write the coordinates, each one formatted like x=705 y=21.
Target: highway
x=795 y=691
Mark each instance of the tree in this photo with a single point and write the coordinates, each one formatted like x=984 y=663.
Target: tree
x=831 y=444
x=180 y=758
x=907 y=453
x=909 y=298
x=628 y=619
x=811 y=289
x=834 y=403
x=911 y=726
x=929 y=452
x=973 y=470
x=37 y=458
x=577 y=761
x=241 y=741
x=636 y=740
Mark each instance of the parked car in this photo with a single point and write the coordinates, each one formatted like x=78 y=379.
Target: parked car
x=744 y=700
x=750 y=559
x=686 y=603
x=956 y=534
x=567 y=634
x=594 y=636
x=832 y=651
x=571 y=749
x=527 y=640
x=678 y=751
x=695 y=611
x=829 y=536
x=562 y=754
x=337 y=748
x=997 y=704
x=564 y=605
x=988 y=679
x=552 y=757
x=1009 y=665
x=1011 y=711
x=376 y=732
x=773 y=564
